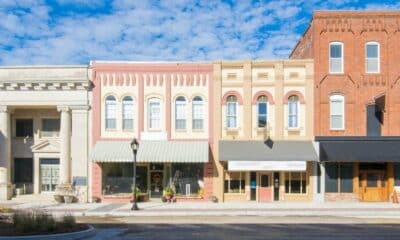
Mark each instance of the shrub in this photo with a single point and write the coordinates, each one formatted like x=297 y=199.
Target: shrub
x=68 y=221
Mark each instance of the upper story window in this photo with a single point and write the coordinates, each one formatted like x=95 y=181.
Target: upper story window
x=372 y=61
x=180 y=113
x=111 y=112
x=50 y=127
x=262 y=111
x=231 y=111
x=154 y=114
x=24 y=128
x=336 y=57
x=293 y=114
x=198 y=113
x=127 y=113
x=336 y=103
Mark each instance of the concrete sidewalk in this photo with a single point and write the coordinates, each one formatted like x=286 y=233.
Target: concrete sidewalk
x=364 y=210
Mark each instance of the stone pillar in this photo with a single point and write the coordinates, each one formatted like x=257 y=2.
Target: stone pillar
x=5 y=154
x=65 y=150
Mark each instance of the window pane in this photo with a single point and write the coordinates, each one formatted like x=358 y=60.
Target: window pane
x=372 y=65
x=262 y=108
x=336 y=65
x=128 y=124
x=336 y=51
x=117 y=178
x=187 y=179
x=50 y=127
x=372 y=180
x=262 y=121
x=197 y=123
x=111 y=112
x=397 y=174
x=154 y=115
x=346 y=177
x=331 y=177
x=372 y=51
x=336 y=107
x=336 y=122
x=24 y=127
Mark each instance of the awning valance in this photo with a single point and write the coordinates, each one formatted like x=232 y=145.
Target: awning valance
x=267 y=151
x=267 y=165
x=152 y=151
x=359 y=149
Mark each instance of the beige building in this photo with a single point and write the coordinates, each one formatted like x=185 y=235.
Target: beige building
x=263 y=131
x=44 y=117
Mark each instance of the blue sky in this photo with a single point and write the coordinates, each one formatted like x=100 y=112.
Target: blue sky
x=77 y=31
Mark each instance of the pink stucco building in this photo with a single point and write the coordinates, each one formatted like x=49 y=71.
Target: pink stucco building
x=167 y=107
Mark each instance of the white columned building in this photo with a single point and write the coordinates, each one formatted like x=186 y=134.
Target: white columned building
x=44 y=134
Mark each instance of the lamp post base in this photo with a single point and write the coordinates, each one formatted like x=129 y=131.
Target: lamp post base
x=134 y=207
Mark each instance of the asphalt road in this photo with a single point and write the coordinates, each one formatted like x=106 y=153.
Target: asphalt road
x=210 y=228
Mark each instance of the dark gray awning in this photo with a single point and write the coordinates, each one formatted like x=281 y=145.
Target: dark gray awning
x=359 y=149
x=267 y=151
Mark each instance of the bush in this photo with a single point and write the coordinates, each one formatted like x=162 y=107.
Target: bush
x=36 y=221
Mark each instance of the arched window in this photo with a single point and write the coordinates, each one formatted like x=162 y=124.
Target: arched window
x=180 y=113
x=293 y=111
x=198 y=113
x=336 y=116
x=262 y=111
x=154 y=114
x=336 y=57
x=127 y=113
x=111 y=112
x=231 y=111
x=372 y=58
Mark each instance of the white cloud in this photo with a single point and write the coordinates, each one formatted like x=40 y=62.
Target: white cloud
x=177 y=30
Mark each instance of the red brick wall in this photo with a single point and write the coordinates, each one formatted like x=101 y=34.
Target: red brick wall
x=96 y=180
x=304 y=48
x=354 y=29
x=208 y=180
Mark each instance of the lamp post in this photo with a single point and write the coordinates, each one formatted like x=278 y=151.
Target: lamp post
x=134 y=146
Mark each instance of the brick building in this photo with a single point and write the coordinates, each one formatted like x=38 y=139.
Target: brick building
x=357 y=101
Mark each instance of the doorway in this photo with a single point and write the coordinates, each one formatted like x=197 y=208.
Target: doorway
x=156 y=180
x=49 y=174
x=373 y=186
x=265 y=189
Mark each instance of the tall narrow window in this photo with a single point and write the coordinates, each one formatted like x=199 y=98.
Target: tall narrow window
x=262 y=111
x=336 y=57
x=293 y=114
x=372 y=63
x=111 y=112
x=154 y=113
x=127 y=113
x=198 y=113
x=180 y=113
x=336 y=112
x=231 y=112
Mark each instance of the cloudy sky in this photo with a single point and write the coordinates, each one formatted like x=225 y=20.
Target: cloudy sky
x=77 y=31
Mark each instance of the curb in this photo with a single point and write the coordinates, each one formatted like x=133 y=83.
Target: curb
x=90 y=232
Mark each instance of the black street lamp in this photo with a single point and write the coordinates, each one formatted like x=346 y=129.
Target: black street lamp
x=134 y=146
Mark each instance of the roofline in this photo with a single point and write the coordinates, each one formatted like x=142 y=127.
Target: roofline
x=320 y=13
x=42 y=66
x=298 y=42
x=149 y=62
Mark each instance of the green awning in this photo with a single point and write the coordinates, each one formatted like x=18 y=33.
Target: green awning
x=152 y=151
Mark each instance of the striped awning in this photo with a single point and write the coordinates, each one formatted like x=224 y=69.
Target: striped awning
x=152 y=151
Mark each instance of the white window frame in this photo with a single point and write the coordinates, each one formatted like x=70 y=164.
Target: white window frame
x=342 y=58
x=336 y=98
x=125 y=102
x=106 y=112
x=378 y=57
x=184 y=118
x=233 y=116
x=154 y=100
x=266 y=112
x=297 y=113
x=198 y=103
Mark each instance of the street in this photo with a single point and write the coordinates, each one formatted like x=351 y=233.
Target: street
x=244 y=227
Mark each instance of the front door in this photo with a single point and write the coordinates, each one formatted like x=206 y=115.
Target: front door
x=264 y=189
x=49 y=174
x=373 y=186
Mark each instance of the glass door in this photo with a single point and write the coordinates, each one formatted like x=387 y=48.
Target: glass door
x=49 y=174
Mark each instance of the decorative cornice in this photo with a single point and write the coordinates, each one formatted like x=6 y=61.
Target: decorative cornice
x=25 y=85
x=63 y=108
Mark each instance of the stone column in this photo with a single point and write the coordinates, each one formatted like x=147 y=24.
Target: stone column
x=5 y=154
x=65 y=150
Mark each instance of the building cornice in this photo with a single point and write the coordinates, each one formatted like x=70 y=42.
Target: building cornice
x=44 y=85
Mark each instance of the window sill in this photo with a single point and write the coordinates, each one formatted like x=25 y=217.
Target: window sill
x=337 y=130
x=128 y=130
x=198 y=130
x=338 y=73
x=235 y=193
x=181 y=130
x=294 y=129
x=110 y=129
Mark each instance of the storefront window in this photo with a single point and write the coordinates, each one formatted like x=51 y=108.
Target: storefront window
x=235 y=182
x=295 y=182
x=339 y=177
x=118 y=178
x=187 y=178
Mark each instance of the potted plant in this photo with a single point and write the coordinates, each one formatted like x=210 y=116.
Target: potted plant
x=137 y=193
x=168 y=194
